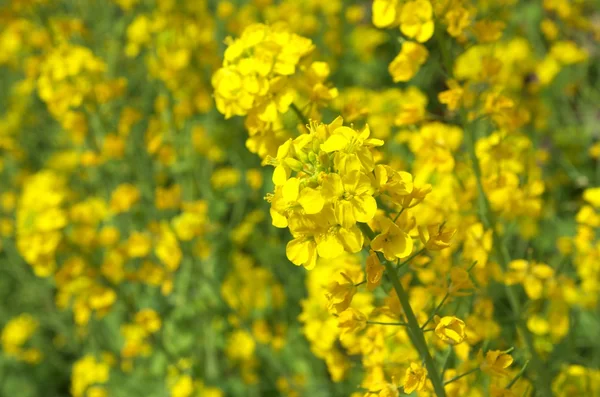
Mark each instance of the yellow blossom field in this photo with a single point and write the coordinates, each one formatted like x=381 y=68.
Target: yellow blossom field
x=299 y=198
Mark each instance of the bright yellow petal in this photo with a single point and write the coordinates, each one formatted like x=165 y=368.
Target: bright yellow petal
x=334 y=143
x=329 y=247
x=311 y=200
x=280 y=175
x=279 y=220
x=364 y=207
x=298 y=251
x=290 y=189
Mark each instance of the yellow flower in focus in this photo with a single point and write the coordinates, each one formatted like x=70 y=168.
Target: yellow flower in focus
x=352 y=197
x=302 y=251
x=450 y=329
x=414 y=378
x=393 y=242
x=416 y=20
x=352 y=149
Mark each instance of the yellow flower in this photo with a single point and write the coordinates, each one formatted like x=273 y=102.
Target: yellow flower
x=96 y=391
x=436 y=237
x=457 y=19
x=148 y=319
x=414 y=378
x=124 y=197
x=225 y=177
x=17 y=332
x=167 y=248
x=488 y=31
x=415 y=20
x=450 y=329
x=385 y=13
x=352 y=149
x=567 y=52
x=453 y=96
x=254 y=178
x=393 y=242
x=139 y=245
x=495 y=363
x=408 y=62
x=183 y=387
x=88 y=371
x=374 y=270
x=352 y=197
x=533 y=277
x=396 y=184
x=240 y=345
x=339 y=295
x=351 y=320
x=460 y=280
x=302 y=251
x=592 y=196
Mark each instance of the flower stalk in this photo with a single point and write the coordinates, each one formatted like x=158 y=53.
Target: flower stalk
x=414 y=330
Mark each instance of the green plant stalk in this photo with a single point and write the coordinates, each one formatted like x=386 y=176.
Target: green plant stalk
x=301 y=117
x=414 y=330
x=542 y=378
x=415 y=333
x=400 y=324
x=436 y=310
x=517 y=377
x=457 y=377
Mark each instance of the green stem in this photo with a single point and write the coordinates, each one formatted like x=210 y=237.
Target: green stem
x=516 y=378
x=437 y=309
x=299 y=114
x=414 y=331
x=410 y=258
x=457 y=377
x=398 y=216
x=446 y=59
x=401 y=324
x=542 y=378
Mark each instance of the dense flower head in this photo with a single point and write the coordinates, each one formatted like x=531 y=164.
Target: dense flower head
x=331 y=192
